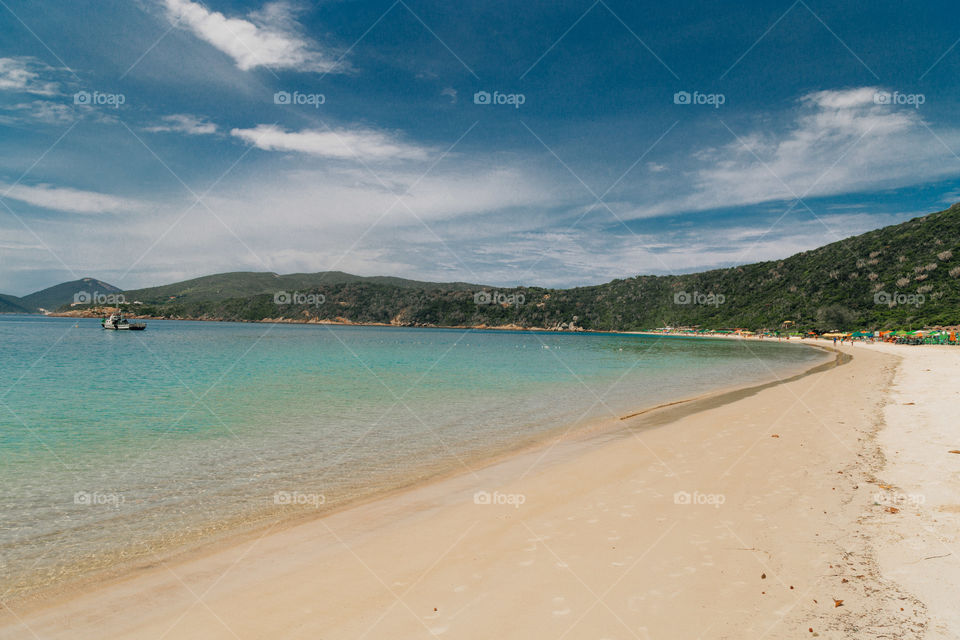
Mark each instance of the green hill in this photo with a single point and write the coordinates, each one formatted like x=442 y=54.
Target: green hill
x=223 y=286
x=12 y=304
x=905 y=275
x=57 y=296
x=902 y=276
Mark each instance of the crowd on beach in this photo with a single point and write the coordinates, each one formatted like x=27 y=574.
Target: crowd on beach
x=935 y=335
x=922 y=336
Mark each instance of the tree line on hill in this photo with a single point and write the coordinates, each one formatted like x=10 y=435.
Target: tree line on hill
x=904 y=276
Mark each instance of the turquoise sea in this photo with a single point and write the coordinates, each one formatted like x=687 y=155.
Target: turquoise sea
x=116 y=446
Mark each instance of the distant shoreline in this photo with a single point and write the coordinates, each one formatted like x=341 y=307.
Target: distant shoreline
x=344 y=322
x=348 y=323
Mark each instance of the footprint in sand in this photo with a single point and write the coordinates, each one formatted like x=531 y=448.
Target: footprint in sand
x=460 y=588
x=636 y=601
x=558 y=602
x=525 y=563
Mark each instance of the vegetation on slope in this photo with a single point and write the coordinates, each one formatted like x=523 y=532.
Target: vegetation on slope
x=902 y=276
x=224 y=286
x=57 y=296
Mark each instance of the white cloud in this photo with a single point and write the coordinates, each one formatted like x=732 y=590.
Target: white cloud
x=838 y=142
x=842 y=98
x=43 y=111
x=555 y=256
x=315 y=219
x=490 y=218
x=68 y=199
x=25 y=75
x=184 y=123
x=344 y=144
x=951 y=197
x=268 y=38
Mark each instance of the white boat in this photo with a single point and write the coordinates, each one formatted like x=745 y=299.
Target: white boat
x=117 y=322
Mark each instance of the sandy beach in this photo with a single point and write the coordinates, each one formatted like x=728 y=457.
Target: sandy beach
x=822 y=506
x=922 y=479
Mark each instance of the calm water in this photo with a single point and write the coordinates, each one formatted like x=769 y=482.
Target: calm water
x=116 y=445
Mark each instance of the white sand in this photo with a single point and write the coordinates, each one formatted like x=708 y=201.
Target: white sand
x=920 y=549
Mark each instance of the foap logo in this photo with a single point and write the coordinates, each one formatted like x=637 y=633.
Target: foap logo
x=297 y=297
x=297 y=98
x=712 y=99
x=899 y=499
x=896 y=298
x=896 y=98
x=95 y=297
x=96 y=498
x=712 y=499
x=99 y=99
x=485 y=97
x=295 y=498
x=498 y=297
x=706 y=299
x=497 y=498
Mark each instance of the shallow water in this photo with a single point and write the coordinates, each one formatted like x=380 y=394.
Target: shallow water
x=116 y=445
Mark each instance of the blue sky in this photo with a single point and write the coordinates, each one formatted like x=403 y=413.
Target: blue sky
x=148 y=141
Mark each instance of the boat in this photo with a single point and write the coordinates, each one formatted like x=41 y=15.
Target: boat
x=117 y=322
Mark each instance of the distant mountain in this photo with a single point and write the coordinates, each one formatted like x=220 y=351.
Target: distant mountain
x=12 y=304
x=223 y=286
x=902 y=276
x=52 y=298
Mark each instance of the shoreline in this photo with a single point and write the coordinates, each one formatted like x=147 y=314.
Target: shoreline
x=342 y=322
x=337 y=323
x=245 y=529
x=793 y=540
x=348 y=323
